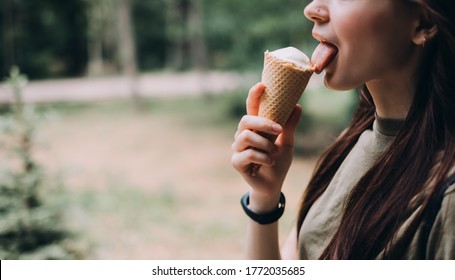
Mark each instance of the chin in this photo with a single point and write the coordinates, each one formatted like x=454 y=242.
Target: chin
x=337 y=84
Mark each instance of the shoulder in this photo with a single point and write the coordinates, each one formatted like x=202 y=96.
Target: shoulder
x=442 y=239
x=448 y=201
x=449 y=183
x=446 y=215
x=450 y=190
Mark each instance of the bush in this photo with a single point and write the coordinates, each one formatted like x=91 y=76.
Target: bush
x=31 y=227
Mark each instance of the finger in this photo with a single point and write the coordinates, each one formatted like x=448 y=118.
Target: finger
x=249 y=139
x=241 y=161
x=254 y=98
x=287 y=137
x=258 y=124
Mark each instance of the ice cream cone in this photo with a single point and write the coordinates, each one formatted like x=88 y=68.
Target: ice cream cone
x=285 y=82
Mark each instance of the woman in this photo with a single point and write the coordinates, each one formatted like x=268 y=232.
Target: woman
x=383 y=189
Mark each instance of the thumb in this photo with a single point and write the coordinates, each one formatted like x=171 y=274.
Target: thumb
x=254 y=99
x=286 y=138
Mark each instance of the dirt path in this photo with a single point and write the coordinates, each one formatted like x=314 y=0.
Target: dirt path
x=158 y=84
x=148 y=85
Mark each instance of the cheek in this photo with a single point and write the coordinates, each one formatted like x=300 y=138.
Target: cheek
x=374 y=35
x=353 y=63
x=361 y=30
x=367 y=49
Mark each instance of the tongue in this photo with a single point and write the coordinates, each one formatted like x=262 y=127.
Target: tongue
x=322 y=56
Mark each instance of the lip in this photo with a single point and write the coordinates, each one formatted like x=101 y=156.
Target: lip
x=322 y=39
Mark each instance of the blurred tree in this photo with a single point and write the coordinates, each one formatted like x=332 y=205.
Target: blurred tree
x=51 y=38
x=95 y=44
x=45 y=38
x=185 y=35
x=101 y=37
x=31 y=228
x=149 y=19
x=175 y=34
x=196 y=35
x=240 y=31
x=127 y=49
x=126 y=38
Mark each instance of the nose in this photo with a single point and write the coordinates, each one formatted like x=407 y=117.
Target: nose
x=316 y=12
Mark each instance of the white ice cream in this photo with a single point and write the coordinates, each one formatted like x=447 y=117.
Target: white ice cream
x=294 y=56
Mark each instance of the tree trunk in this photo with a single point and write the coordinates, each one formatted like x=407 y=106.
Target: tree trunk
x=95 y=58
x=198 y=49
x=102 y=37
x=175 y=34
x=94 y=43
x=127 y=49
x=197 y=46
x=9 y=37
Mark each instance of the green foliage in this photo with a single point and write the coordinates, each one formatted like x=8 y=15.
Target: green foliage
x=238 y=32
x=30 y=227
x=52 y=38
x=149 y=24
x=45 y=38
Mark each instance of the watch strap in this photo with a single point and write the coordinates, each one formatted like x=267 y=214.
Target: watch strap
x=267 y=218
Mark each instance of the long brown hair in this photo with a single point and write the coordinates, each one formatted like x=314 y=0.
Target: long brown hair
x=420 y=157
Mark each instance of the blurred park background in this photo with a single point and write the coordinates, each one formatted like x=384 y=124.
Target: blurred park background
x=117 y=122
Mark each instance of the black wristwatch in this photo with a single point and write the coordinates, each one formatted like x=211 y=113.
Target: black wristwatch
x=267 y=218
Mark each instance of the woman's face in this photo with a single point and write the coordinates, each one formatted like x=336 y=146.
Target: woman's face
x=373 y=38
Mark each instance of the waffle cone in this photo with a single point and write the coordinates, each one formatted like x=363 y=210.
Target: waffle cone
x=285 y=84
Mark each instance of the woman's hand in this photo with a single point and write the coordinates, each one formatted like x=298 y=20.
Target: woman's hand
x=275 y=158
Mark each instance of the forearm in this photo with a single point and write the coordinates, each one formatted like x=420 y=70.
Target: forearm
x=266 y=205
x=262 y=239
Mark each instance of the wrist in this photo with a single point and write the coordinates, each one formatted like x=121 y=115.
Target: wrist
x=263 y=202
x=264 y=218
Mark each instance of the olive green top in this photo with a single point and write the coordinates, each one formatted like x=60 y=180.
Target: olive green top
x=324 y=216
